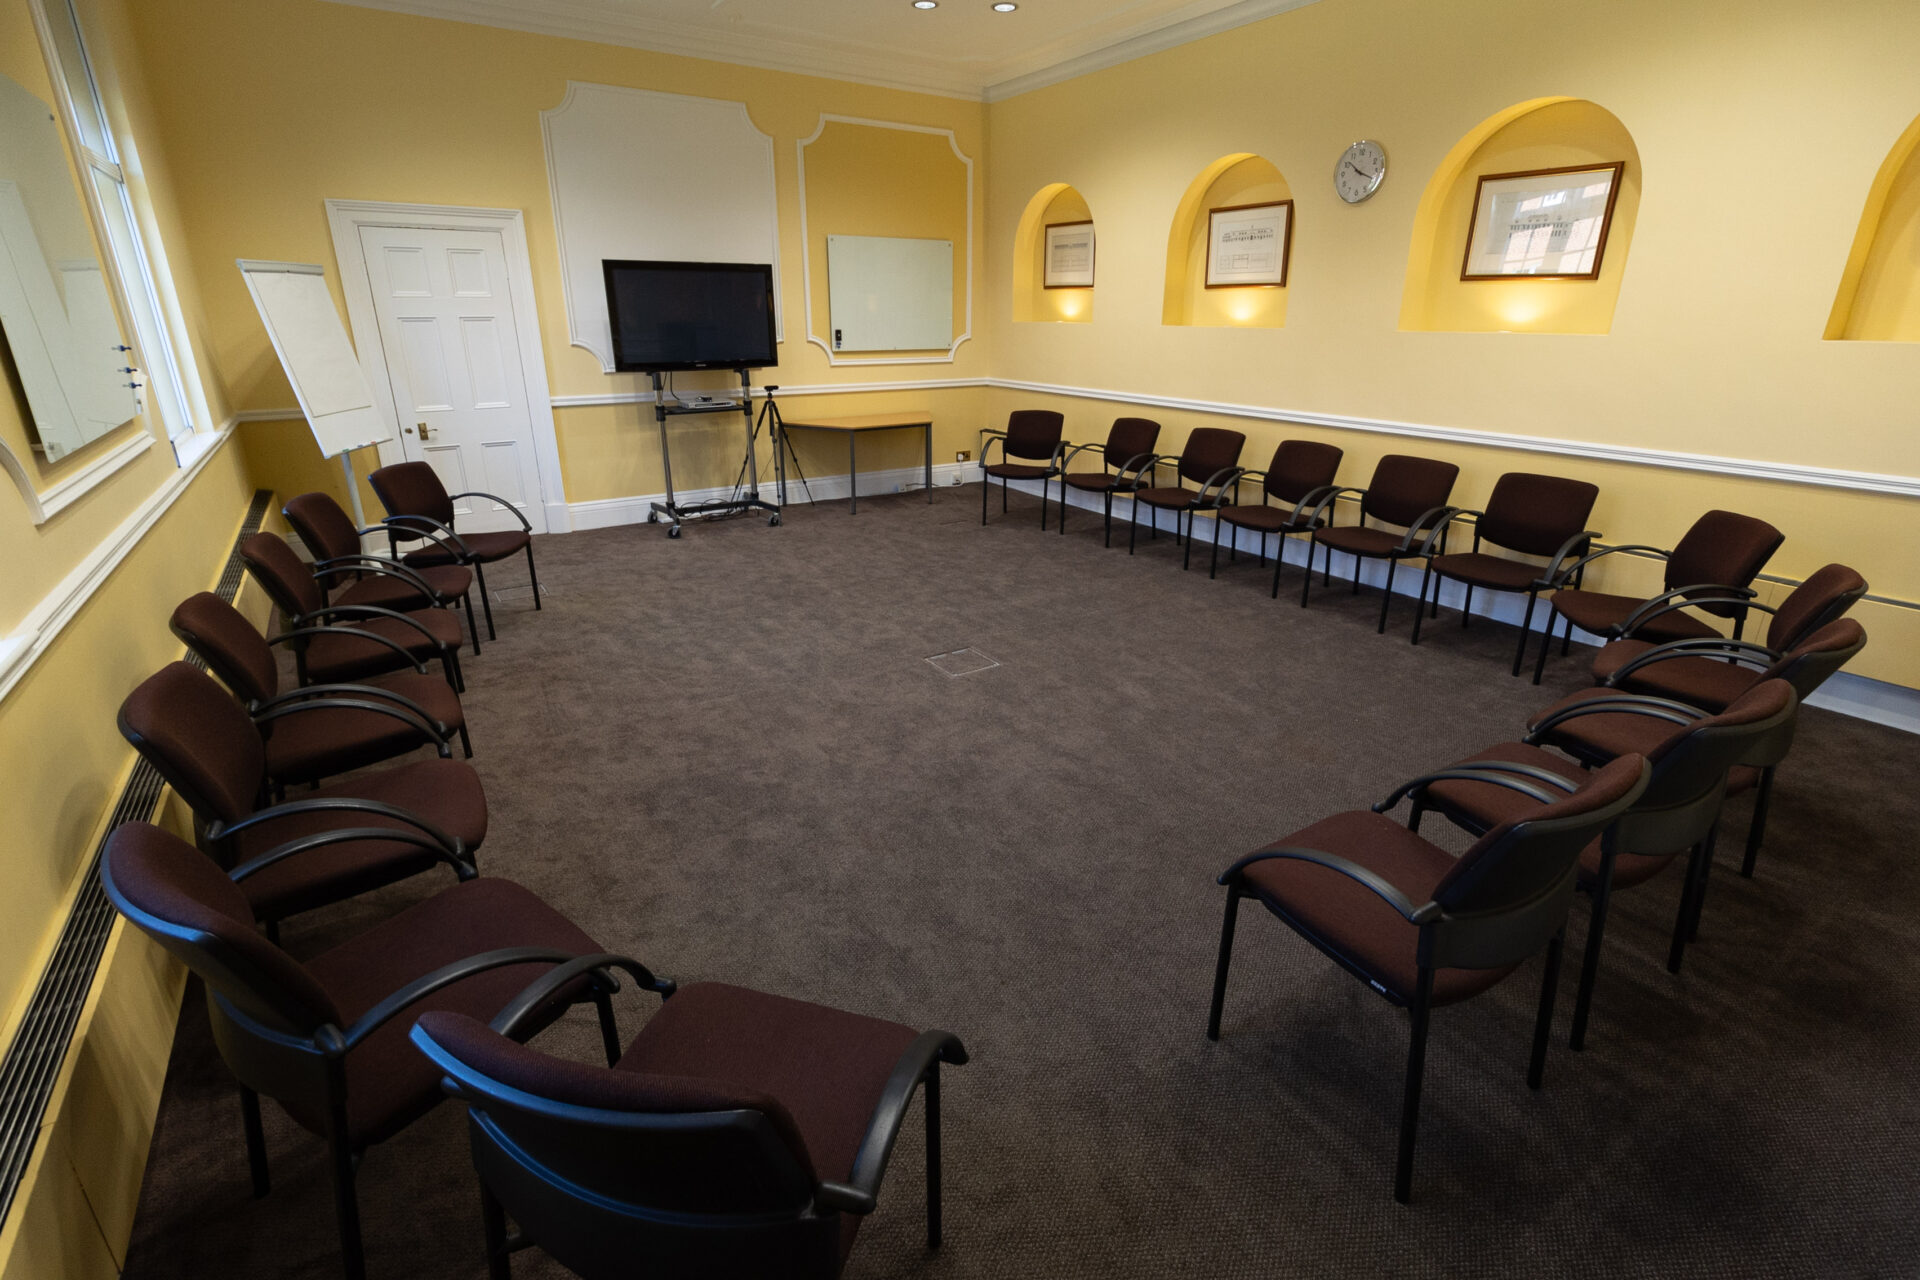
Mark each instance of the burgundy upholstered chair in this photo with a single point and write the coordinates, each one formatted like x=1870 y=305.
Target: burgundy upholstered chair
x=740 y=1134
x=419 y=507
x=327 y=1037
x=1421 y=927
x=1127 y=451
x=318 y=730
x=1535 y=515
x=1300 y=474
x=348 y=575
x=1717 y=558
x=373 y=829
x=1691 y=755
x=339 y=642
x=1033 y=434
x=1407 y=492
x=1210 y=459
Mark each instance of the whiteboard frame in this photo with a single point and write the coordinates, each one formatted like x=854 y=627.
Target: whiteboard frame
x=943 y=314
x=806 y=241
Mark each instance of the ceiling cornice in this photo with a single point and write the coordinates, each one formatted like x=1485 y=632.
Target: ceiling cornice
x=834 y=60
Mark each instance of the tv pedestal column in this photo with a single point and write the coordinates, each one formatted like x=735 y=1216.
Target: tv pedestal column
x=677 y=513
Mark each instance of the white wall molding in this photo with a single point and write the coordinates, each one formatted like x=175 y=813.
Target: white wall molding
x=22 y=647
x=44 y=504
x=806 y=242
x=817 y=389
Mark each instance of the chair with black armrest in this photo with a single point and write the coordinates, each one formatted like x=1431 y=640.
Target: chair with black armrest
x=1532 y=514
x=1712 y=674
x=348 y=575
x=1300 y=474
x=740 y=1134
x=1031 y=434
x=207 y=749
x=419 y=507
x=327 y=1038
x=1210 y=459
x=1691 y=755
x=342 y=642
x=1421 y=927
x=1128 y=449
x=316 y=731
x=1408 y=492
x=1718 y=557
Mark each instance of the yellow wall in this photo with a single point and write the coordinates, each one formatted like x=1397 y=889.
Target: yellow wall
x=1229 y=182
x=1880 y=294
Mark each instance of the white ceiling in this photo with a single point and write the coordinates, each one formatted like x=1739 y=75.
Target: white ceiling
x=961 y=49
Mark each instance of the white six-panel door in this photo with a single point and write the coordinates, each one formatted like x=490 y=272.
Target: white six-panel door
x=453 y=366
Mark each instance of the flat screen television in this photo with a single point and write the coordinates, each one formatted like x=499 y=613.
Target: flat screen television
x=690 y=315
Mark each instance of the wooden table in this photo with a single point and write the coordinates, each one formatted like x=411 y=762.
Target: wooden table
x=851 y=426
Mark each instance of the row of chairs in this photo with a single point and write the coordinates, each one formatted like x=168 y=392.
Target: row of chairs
x=1402 y=515
x=739 y=1133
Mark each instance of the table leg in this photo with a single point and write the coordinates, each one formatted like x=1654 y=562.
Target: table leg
x=929 y=430
x=853 y=475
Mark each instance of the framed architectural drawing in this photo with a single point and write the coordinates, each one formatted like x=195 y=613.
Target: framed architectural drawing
x=1544 y=223
x=1069 y=262
x=1248 y=244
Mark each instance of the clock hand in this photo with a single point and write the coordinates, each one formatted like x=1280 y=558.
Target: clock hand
x=1356 y=168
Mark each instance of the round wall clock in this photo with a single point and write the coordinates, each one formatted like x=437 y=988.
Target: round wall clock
x=1362 y=168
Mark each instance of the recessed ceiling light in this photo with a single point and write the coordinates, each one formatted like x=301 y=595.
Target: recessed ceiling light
x=1005 y=7
x=926 y=4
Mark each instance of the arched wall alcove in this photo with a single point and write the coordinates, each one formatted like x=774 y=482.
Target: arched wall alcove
x=1879 y=296
x=1232 y=181
x=1543 y=133
x=1054 y=203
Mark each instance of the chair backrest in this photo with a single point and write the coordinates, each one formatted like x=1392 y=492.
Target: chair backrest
x=1508 y=894
x=1536 y=514
x=326 y=529
x=601 y=1166
x=199 y=739
x=1301 y=466
x=1694 y=759
x=1209 y=451
x=1822 y=598
x=1724 y=548
x=1031 y=433
x=412 y=489
x=223 y=638
x=283 y=575
x=1404 y=488
x=1130 y=440
x=1807 y=665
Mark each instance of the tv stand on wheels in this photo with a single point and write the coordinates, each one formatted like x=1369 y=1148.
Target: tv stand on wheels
x=677 y=513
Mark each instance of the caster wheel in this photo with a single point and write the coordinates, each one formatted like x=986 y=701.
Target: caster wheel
x=674 y=532
x=653 y=517
x=773 y=519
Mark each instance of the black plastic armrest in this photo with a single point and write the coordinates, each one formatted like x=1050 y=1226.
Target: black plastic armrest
x=299 y=633
x=1075 y=451
x=1591 y=556
x=1352 y=870
x=372 y=611
x=535 y=995
x=1678 y=595
x=1224 y=477
x=431 y=529
x=1441 y=514
x=1490 y=772
x=462 y=869
x=525 y=525
x=1153 y=460
x=1539 y=773
x=352 y=691
x=1622 y=704
x=861 y=1191
x=445 y=976
x=336 y=804
x=1135 y=463
x=417 y=720
x=1758 y=655
x=1440 y=526
x=988 y=436
x=1331 y=494
x=1550 y=576
x=379 y=565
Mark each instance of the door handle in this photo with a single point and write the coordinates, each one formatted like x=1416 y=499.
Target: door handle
x=423 y=430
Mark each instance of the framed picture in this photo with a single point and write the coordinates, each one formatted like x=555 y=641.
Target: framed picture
x=1543 y=224
x=1249 y=244
x=1069 y=263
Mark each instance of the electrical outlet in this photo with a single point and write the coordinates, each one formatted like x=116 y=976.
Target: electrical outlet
x=963 y=455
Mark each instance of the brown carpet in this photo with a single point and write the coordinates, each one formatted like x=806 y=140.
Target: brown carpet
x=728 y=755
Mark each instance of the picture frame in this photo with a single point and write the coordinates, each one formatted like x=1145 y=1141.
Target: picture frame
x=1542 y=224
x=1069 y=256
x=1249 y=245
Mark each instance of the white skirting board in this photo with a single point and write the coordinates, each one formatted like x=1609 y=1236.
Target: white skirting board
x=1875 y=700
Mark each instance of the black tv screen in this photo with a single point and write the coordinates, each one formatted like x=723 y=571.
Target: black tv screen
x=690 y=315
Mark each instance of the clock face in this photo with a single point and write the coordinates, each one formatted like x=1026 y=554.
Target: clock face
x=1362 y=167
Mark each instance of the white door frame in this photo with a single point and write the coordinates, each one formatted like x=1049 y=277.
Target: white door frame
x=346 y=217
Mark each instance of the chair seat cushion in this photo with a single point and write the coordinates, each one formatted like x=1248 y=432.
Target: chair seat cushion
x=1598 y=738
x=1596 y=611
x=1018 y=471
x=390 y=1083
x=1709 y=683
x=308 y=745
x=1496 y=573
x=1359 y=540
x=445 y=793
x=828 y=1068
x=1264 y=519
x=1344 y=917
x=333 y=657
x=1094 y=481
x=449 y=582
x=484 y=547
x=1168 y=498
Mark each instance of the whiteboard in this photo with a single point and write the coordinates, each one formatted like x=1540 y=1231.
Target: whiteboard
x=314 y=350
x=888 y=294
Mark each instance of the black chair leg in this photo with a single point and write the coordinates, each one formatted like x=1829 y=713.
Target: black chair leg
x=1410 y=1102
x=493 y=1223
x=1004 y=482
x=1063 y=506
x=609 y=1029
x=1420 y=609
x=1386 y=597
x=1546 y=643
x=1590 y=960
x=533 y=578
x=1109 y=534
x=466 y=743
x=346 y=1202
x=1526 y=626
x=1757 y=828
x=473 y=623
x=1306 y=583
x=1700 y=892
x=1543 y=1021
x=1186 y=559
x=1566 y=639
x=1220 y=966
x=1354 y=590
x=1133 y=524
x=986 y=485
x=930 y=1098
x=1044 y=482
x=1213 y=566
x=1466 y=606
x=1280 y=558
x=1694 y=885
x=256 y=1142
x=480 y=579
